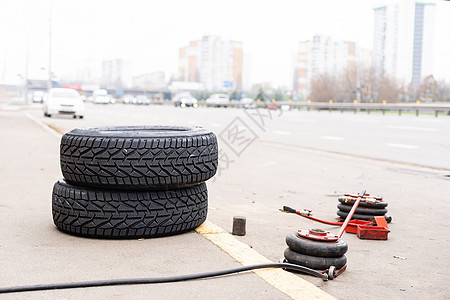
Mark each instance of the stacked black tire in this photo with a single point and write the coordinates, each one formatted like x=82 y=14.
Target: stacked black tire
x=366 y=210
x=134 y=182
x=315 y=254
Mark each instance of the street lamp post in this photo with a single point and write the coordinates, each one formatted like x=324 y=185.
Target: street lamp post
x=49 y=80
x=27 y=60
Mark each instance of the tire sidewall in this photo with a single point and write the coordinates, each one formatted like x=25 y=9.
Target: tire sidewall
x=139 y=131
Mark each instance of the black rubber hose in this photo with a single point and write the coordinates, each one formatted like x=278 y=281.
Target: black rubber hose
x=127 y=281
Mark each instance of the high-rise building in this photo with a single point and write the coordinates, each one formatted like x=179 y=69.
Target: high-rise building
x=403 y=40
x=214 y=62
x=322 y=55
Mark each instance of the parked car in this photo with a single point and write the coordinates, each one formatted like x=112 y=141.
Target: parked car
x=129 y=99
x=65 y=102
x=273 y=106
x=247 y=103
x=184 y=100
x=142 y=100
x=38 y=97
x=218 y=100
x=101 y=96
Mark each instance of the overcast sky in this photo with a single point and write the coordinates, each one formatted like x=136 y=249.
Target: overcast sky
x=149 y=33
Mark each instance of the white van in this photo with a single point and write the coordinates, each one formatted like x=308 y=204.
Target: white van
x=218 y=100
x=101 y=96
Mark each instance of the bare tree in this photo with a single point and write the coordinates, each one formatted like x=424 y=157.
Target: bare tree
x=428 y=90
x=324 y=88
x=348 y=88
x=374 y=86
x=369 y=85
x=443 y=91
x=389 y=89
x=378 y=86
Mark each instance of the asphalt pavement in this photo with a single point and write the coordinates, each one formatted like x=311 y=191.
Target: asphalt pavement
x=271 y=165
x=420 y=141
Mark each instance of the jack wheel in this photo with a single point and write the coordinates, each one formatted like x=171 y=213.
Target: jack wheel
x=331 y=272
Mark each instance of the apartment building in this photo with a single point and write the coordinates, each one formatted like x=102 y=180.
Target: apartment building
x=324 y=55
x=404 y=39
x=212 y=61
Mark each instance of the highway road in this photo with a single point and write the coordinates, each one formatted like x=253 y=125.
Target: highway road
x=421 y=141
x=305 y=160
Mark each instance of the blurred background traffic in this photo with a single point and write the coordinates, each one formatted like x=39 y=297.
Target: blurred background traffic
x=189 y=53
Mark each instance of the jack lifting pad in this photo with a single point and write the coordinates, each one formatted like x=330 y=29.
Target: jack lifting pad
x=353 y=224
x=372 y=232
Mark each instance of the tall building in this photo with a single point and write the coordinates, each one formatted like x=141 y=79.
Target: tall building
x=212 y=61
x=403 y=40
x=322 y=55
x=247 y=72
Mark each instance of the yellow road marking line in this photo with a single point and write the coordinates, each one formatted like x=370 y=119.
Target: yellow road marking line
x=288 y=283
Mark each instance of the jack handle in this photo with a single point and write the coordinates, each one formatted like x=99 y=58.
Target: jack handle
x=350 y=214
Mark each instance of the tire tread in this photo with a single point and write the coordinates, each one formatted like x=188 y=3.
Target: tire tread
x=101 y=213
x=138 y=162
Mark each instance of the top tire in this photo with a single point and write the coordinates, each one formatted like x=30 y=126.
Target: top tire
x=138 y=157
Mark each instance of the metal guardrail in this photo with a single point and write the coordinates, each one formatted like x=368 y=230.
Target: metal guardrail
x=355 y=107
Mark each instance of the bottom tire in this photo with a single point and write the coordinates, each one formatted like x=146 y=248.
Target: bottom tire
x=99 y=213
x=343 y=215
x=314 y=262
